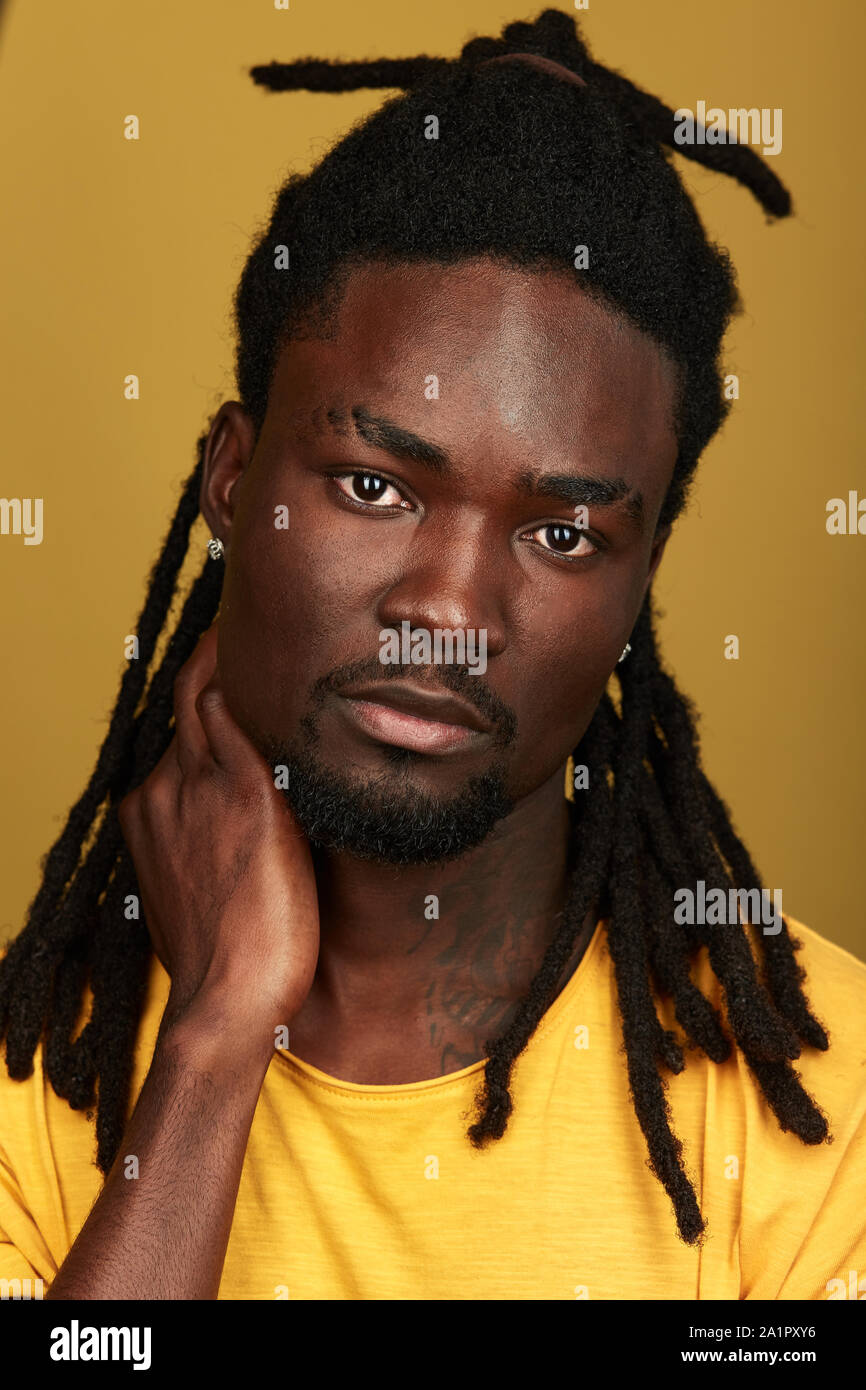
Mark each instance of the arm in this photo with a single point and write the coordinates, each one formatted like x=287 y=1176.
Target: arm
x=163 y=1234
x=230 y=901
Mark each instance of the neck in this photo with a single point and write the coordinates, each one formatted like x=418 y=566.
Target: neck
x=461 y=936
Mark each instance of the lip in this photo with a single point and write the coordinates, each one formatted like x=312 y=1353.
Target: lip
x=426 y=721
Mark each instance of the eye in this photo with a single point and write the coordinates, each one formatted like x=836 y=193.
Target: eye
x=369 y=489
x=566 y=540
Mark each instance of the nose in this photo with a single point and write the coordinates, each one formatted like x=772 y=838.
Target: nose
x=449 y=583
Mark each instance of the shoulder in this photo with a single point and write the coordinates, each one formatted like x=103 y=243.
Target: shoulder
x=834 y=962
x=834 y=982
x=832 y=979
x=790 y=1209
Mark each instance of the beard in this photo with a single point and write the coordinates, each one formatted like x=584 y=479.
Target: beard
x=388 y=818
x=380 y=820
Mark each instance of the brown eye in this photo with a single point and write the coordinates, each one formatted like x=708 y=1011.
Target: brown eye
x=566 y=540
x=370 y=488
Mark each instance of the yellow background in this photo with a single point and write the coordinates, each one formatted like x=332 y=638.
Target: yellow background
x=121 y=257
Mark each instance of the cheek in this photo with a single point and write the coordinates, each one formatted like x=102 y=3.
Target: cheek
x=561 y=704
x=290 y=613
x=265 y=624
x=571 y=668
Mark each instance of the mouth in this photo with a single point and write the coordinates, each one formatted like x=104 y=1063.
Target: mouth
x=404 y=716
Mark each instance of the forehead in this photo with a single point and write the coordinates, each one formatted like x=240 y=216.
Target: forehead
x=486 y=350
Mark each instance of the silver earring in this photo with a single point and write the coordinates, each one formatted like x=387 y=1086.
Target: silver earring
x=625 y=652
x=216 y=549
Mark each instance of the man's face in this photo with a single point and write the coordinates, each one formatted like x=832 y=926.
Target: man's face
x=517 y=381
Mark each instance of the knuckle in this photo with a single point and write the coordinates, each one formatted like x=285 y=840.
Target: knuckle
x=153 y=799
x=158 y=793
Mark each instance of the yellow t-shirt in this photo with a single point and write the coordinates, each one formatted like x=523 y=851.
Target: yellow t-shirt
x=374 y=1192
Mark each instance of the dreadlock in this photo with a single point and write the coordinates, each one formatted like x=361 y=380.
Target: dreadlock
x=522 y=167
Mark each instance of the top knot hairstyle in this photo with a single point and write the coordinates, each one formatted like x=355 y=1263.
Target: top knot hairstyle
x=526 y=165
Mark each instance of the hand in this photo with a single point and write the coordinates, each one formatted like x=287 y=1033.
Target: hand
x=224 y=869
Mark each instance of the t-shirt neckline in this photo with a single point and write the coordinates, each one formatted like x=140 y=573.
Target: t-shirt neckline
x=562 y=1001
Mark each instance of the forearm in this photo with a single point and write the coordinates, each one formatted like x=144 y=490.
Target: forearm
x=163 y=1233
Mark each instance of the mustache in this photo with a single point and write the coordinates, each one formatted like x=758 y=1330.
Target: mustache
x=456 y=678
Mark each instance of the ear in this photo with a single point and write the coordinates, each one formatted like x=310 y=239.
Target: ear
x=228 y=453
x=661 y=539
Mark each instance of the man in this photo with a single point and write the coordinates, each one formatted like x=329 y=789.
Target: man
x=353 y=881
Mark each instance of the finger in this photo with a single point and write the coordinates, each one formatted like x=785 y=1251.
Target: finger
x=157 y=795
x=162 y=787
x=229 y=745
x=193 y=748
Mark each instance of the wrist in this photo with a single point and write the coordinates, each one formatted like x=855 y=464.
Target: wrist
x=216 y=1034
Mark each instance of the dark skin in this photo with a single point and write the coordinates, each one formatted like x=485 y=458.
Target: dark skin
x=254 y=931
x=537 y=380
x=534 y=377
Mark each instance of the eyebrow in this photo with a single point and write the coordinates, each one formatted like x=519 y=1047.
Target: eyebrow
x=575 y=489
x=583 y=489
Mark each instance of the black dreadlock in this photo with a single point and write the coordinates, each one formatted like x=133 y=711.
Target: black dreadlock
x=523 y=166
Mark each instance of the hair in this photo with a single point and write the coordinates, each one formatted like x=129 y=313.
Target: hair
x=524 y=166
